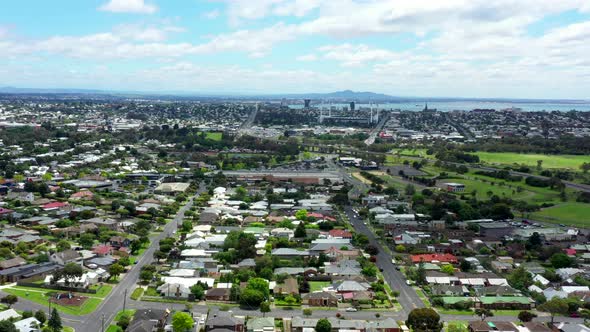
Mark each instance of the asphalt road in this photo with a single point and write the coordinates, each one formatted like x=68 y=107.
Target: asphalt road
x=408 y=298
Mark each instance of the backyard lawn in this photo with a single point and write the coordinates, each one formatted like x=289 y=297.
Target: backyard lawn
x=315 y=286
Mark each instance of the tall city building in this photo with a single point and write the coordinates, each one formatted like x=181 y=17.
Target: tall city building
x=307 y=102
x=352 y=106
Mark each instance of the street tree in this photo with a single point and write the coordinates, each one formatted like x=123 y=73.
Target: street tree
x=424 y=319
x=555 y=306
x=323 y=325
x=182 y=322
x=54 y=322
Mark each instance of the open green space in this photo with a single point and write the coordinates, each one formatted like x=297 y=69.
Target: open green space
x=569 y=213
x=214 y=136
x=315 y=286
x=530 y=159
x=39 y=297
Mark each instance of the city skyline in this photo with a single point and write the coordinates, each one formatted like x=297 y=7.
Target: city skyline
x=486 y=49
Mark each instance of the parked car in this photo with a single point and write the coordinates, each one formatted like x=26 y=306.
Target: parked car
x=351 y=309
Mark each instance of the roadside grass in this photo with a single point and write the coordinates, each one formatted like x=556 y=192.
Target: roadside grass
x=530 y=159
x=422 y=297
x=568 y=213
x=315 y=286
x=114 y=328
x=444 y=311
x=68 y=329
x=89 y=305
x=102 y=291
x=137 y=293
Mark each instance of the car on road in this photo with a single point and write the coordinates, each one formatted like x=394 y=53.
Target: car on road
x=409 y=282
x=351 y=309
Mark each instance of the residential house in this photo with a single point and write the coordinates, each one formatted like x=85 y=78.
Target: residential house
x=289 y=287
x=218 y=294
x=13 y=262
x=66 y=256
x=109 y=223
x=119 y=241
x=288 y=253
x=30 y=324
x=340 y=234
x=487 y=326
x=264 y=324
x=222 y=321
x=434 y=258
x=148 y=320
x=320 y=299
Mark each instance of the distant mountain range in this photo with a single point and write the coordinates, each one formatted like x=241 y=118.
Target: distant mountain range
x=342 y=96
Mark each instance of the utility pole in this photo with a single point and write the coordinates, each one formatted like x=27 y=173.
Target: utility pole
x=125 y=300
x=102 y=323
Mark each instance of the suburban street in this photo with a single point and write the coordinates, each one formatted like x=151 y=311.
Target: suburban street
x=396 y=280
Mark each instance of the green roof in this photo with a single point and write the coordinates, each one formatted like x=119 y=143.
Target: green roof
x=504 y=299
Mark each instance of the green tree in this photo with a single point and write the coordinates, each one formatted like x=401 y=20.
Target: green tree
x=7 y=326
x=63 y=245
x=520 y=279
x=115 y=270
x=71 y=271
x=526 y=316
x=400 y=248
x=410 y=190
x=264 y=308
x=198 y=291
x=561 y=260
x=448 y=269
x=301 y=215
x=300 y=230
x=323 y=325
x=420 y=276
x=86 y=240
x=9 y=300
x=555 y=306
x=54 y=322
x=182 y=322
x=424 y=319
x=41 y=316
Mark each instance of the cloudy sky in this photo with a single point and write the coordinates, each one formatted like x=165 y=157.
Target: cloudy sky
x=465 y=48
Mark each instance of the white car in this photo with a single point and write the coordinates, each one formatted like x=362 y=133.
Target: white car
x=351 y=309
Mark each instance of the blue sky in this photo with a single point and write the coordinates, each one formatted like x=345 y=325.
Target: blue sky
x=463 y=48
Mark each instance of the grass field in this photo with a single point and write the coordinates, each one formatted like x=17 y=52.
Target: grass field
x=39 y=297
x=315 y=286
x=214 y=136
x=549 y=161
x=570 y=213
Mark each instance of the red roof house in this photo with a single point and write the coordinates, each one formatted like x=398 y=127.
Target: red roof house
x=570 y=251
x=102 y=250
x=433 y=258
x=53 y=206
x=84 y=194
x=340 y=234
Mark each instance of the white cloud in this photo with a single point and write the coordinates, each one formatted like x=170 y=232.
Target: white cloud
x=307 y=57
x=129 y=6
x=212 y=14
